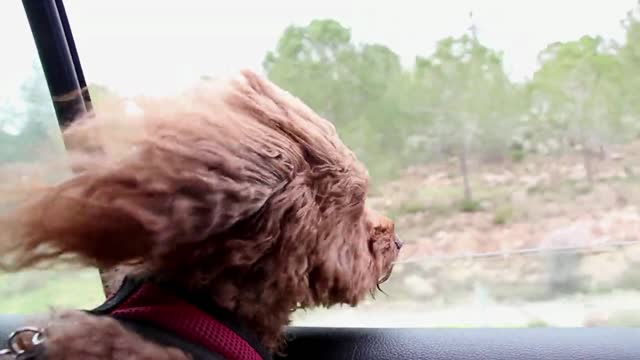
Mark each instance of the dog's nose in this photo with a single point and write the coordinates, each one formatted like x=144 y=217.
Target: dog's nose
x=398 y=242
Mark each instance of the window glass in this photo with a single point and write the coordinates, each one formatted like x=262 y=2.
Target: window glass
x=503 y=137
x=29 y=136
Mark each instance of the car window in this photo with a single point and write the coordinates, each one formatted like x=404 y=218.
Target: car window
x=29 y=137
x=502 y=137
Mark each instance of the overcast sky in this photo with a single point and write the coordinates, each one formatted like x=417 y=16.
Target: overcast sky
x=158 y=46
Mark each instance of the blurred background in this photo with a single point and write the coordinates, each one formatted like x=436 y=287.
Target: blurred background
x=503 y=137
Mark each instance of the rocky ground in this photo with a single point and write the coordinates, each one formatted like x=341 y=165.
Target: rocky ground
x=541 y=202
x=497 y=262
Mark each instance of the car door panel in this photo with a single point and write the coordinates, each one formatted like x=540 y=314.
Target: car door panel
x=467 y=344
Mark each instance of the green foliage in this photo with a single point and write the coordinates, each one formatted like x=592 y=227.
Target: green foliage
x=31 y=131
x=412 y=206
x=467 y=95
x=459 y=102
x=629 y=54
x=470 y=206
x=353 y=86
x=37 y=291
x=517 y=154
x=578 y=91
x=503 y=215
x=315 y=57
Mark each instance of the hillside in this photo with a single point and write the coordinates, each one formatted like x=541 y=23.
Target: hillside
x=537 y=248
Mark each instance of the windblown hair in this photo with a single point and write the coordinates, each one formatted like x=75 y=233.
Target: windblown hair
x=236 y=190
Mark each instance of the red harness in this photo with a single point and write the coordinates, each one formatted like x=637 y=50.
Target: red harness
x=149 y=303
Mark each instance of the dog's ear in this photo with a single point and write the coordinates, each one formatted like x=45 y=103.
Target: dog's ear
x=326 y=252
x=137 y=212
x=344 y=272
x=141 y=208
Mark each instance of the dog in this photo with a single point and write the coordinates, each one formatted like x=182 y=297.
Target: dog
x=235 y=192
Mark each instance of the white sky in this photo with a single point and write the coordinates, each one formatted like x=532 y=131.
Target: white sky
x=158 y=46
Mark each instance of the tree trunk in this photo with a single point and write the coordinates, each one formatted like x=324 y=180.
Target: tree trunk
x=464 y=170
x=586 y=149
x=588 y=163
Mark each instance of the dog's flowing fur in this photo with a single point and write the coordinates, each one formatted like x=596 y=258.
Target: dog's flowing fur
x=236 y=190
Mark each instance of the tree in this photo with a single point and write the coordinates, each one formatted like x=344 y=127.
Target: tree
x=351 y=85
x=10 y=148
x=630 y=59
x=34 y=128
x=577 y=90
x=32 y=131
x=466 y=93
x=310 y=63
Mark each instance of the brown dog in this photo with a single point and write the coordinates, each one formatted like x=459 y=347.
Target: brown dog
x=236 y=190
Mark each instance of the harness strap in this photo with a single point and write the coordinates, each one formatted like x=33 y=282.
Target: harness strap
x=162 y=337
x=166 y=317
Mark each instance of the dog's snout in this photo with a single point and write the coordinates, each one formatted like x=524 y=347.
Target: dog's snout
x=398 y=242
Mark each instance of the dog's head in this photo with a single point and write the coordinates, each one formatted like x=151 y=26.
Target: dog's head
x=236 y=190
x=295 y=226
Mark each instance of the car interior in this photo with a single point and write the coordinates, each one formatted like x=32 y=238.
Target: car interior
x=61 y=64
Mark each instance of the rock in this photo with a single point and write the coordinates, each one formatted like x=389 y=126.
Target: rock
x=498 y=179
x=577 y=172
x=535 y=181
x=419 y=286
x=616 y=156
x=486 y=205
x=542 y=149
x=519 y=197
